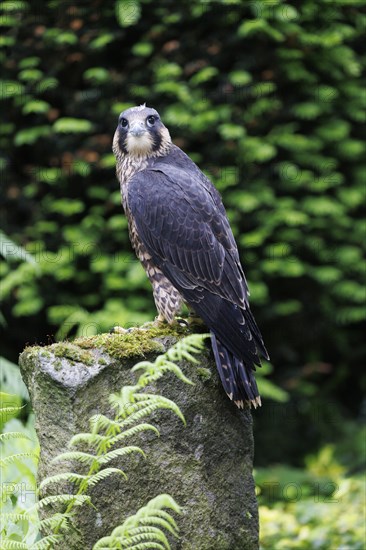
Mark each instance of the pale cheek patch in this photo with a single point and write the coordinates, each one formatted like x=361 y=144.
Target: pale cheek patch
x=141 y=145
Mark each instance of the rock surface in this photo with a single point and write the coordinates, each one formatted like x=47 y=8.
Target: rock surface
x=206 y=465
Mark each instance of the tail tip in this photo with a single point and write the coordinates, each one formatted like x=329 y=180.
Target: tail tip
x=242 y=403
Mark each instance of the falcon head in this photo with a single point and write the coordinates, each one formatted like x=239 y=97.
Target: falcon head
x=140 y=133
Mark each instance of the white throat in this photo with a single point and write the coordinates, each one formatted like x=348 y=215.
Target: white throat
x=139 y=146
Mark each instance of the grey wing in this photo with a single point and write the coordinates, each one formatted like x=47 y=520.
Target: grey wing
x=180 y=224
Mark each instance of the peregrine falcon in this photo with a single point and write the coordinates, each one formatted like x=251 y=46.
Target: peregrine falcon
x=180 y=232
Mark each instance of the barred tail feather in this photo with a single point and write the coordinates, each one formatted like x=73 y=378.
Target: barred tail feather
x=237 y=379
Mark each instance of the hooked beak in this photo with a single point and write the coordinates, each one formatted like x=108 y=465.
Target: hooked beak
x=137 y=129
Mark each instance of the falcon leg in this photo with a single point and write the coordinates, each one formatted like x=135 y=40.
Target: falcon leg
x=168 y=300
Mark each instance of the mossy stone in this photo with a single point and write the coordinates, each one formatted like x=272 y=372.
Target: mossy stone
x=206 y=465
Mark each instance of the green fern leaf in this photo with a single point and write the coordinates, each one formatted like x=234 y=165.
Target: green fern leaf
x=94 y=479
x=13 y=435
x=123 y=451
x=16 y=457
x=46 y=542
x=9 y=411
x=160 y=402
x=59 y=478
x=78 y=500
x=55 y=520
x=143 y=410
x=132 y=432
x=152 y=374
x=106 y=543
x=92 y=439
x=167 y=517
x=84 y=458
x=8 y=544
x=138 y=534
x=102 y=422
x=14 y=517
x=147 y=546
x=150 y=536
x=160 y=522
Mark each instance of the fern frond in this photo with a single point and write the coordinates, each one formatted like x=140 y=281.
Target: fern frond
x=92 y=439
x=160 y=402
x=13 y=435
x=84 y=458
x=138 y=534
x=153 y=373
x=127 y=393
x=94 y=479
x=46 y=542
x=108 y=543
x=175 y=369
x=16 y=457
x=8 y=544
x=157 y=503
x=132 y=432
x=123 y=451
x=183 y=349
x=78 y=500
x=102 y=422
x=147 y=546
x=59 y=478
x=14 y=517
x=122 y=400
x=167 y=517
x=126 y=410
x=55 y=520
x=160 y=522
x=10 y=410
x=127 y=540
x=136 y=531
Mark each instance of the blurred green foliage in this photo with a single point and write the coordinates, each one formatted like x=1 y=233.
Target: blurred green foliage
x=19 y=451
x=329 y=522
x=267 y=97
x=316 y=507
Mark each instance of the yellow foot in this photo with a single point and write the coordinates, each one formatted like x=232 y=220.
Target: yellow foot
x=159 y=321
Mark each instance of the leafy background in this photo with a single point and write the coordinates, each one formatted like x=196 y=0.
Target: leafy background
x=268 y=99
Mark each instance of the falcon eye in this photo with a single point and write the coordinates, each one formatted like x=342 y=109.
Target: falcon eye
x=151 y=120
x=123 y=122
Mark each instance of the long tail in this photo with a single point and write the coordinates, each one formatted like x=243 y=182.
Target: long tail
x=237 y=379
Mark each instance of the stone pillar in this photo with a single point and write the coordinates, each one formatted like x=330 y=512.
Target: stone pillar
x=206 y=465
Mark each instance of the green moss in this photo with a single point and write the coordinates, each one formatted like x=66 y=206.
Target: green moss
x=203 y=373
x=136 y=343
x=57 y=365
x=72 y=352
